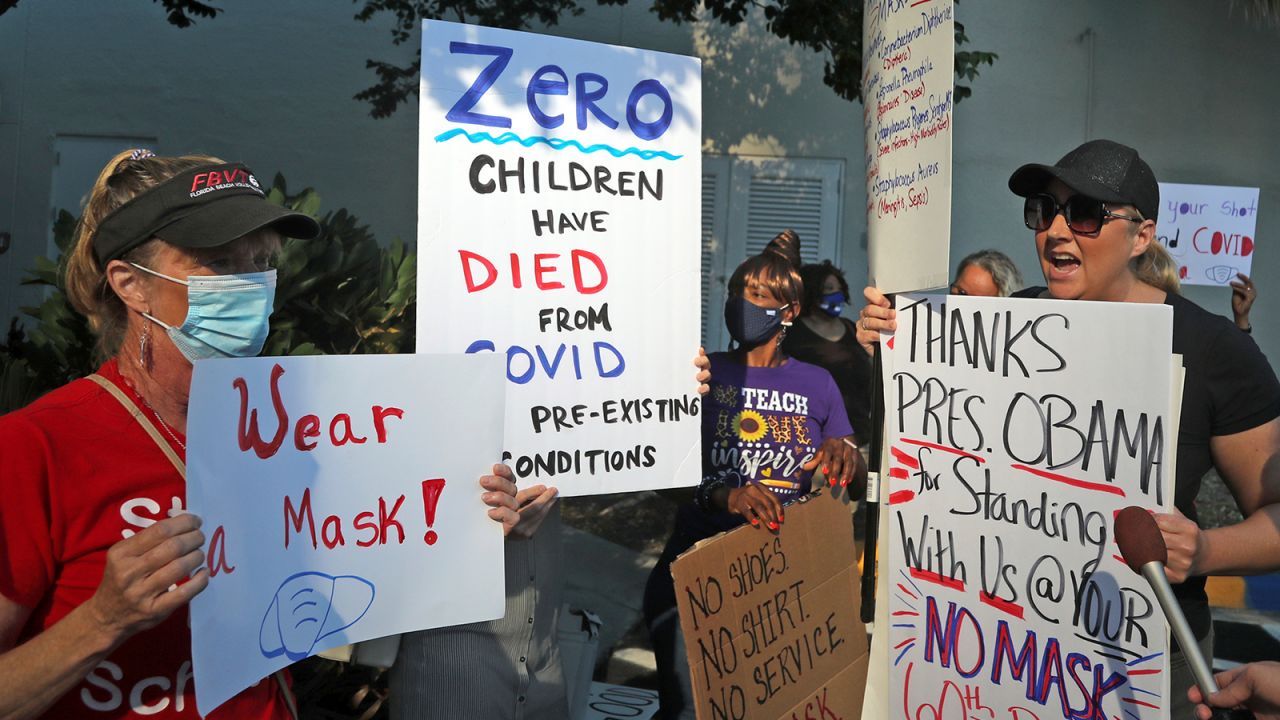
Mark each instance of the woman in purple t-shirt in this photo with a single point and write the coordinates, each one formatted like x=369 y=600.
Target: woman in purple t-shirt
x=768 y=422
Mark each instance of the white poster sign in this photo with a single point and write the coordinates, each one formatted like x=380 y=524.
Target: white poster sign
x=559 y=223
x=1016 y=430
x=620 y=702
x=1209 y=230
x=908 y=87
x=341 y=502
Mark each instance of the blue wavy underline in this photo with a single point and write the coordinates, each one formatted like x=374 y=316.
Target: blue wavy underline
x=554 y=144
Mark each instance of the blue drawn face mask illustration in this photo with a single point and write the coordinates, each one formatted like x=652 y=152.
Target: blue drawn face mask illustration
x=309 y=607
x=227 y=315
x=750 y=325
x=833 y=303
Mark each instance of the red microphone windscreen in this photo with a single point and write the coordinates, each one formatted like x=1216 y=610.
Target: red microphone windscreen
x=1139 y=538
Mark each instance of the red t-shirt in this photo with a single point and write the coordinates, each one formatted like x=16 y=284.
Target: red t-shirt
x=77 y=475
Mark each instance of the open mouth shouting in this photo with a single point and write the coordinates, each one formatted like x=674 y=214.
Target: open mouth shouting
x=1061 y=264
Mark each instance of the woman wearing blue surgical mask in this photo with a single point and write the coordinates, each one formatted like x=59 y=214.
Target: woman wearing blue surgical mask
x=769 y=423
x=824 y=337
x=98 y=561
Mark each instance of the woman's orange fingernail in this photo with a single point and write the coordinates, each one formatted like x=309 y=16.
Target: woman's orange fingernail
x=833 y=481
x=773 y=525
x=755 y=521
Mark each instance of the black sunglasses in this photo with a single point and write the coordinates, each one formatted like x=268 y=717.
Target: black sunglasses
x=1083 y=213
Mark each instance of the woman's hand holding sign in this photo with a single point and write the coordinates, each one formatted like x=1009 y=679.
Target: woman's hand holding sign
x=533 y=504
x=1185 y=543
x=501 y=497
x=756 y=504
x=877 y=316
x=138 y=590
x=703 y=376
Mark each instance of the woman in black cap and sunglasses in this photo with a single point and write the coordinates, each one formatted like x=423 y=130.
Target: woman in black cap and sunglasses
x=1094 y=216
x=98 y=561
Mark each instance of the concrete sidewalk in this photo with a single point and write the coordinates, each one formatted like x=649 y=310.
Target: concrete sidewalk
x=609 y=580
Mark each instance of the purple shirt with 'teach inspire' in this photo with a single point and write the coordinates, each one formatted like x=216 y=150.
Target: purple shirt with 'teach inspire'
x=765 y=424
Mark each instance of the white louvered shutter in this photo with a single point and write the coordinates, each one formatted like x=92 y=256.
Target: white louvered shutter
x=765 y=197
x=803 y=195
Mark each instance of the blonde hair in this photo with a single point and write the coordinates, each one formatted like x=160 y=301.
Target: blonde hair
x=125 y=176
x=1156 y=267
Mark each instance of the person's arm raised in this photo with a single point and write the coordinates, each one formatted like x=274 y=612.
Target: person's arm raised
x=134 y=595
x=1243 y=293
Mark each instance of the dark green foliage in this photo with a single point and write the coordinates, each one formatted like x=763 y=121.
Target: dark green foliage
x=397 y=83
x=60 y=348
x=338 y=294
x=968 y=62
x=180 y=12
x=831 y=27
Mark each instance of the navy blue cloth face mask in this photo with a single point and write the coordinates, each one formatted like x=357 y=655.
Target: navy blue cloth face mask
x=833 y=303
x=751 y=325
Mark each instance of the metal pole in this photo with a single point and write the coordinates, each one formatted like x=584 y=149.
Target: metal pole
x=874 y=451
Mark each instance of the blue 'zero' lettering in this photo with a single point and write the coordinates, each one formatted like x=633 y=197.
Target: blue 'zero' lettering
x=589 y=88
x=461 y=110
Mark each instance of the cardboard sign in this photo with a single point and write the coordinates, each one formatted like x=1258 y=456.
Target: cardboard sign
x=908 y=87
x=1016 y=429
x=771 y=622
x=559 y=223
x=1209 y=230
x=341 y=502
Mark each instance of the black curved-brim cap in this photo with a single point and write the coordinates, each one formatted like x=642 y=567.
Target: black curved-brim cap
x=1101 y=169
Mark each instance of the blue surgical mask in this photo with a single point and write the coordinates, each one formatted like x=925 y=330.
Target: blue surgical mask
x=833 y=303
x=751 y=325
x=227 y=315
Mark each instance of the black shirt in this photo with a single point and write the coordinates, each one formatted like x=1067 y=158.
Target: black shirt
x=846 y=361
x=1229 y=387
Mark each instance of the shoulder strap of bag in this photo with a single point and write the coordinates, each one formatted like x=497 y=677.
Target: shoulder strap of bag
x=132 y=408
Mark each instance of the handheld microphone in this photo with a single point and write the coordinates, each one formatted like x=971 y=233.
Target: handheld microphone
x=1144 y=551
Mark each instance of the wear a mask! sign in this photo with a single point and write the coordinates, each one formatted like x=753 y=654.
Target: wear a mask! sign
x=1016 y=430
x=559 y=230
x=1209 y=231
x=341 y=502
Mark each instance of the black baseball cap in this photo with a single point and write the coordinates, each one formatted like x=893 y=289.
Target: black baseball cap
x=1101 y=169
x=203 y=207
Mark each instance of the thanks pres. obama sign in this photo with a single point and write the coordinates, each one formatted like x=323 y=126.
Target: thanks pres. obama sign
x=559 y=223
x=1016 y=429
x=341 y=501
